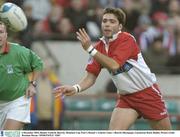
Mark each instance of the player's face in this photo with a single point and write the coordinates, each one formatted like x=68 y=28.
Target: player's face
x=110 y=25
x=3 y=34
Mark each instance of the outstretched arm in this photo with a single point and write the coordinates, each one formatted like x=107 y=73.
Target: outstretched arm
x=69 y=90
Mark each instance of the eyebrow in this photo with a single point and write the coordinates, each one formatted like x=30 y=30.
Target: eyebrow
x=109 y=19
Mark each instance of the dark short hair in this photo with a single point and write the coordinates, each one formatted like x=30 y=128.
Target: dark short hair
x=119 y=13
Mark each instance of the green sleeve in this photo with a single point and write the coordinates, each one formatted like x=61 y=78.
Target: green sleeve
x=30 y=61
x=36 y=62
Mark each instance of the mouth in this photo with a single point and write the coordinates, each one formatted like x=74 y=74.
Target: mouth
x=107 y=30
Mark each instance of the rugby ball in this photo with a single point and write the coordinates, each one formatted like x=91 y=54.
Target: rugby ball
x=13 y=16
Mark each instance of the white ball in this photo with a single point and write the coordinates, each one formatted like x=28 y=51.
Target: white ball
x=13 y=16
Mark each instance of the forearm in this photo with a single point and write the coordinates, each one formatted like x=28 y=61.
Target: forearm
x=106 y=61
x=87 y=81
x=34 y=75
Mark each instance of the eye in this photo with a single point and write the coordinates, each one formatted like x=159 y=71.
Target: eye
x=104 y=20
x=113 y=21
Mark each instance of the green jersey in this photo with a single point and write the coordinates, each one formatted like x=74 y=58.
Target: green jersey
x=14 y=67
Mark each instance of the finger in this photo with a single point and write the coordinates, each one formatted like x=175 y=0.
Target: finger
x=64 y=90
x=57 y=90
x=60 y=95
x=79 y=37
x=82 y=34
x=85 y=33
x=69 y=94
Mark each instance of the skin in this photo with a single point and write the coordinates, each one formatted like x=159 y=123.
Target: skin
x=3 y=36
x=122 y=118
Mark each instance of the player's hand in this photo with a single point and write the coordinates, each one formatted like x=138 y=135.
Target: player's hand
x=65 y=90
x=84 y=38
x=30 y=91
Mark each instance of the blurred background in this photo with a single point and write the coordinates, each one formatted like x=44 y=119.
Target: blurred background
x=51 y=34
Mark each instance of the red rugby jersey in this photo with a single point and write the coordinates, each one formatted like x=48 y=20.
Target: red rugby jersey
x=133 y=75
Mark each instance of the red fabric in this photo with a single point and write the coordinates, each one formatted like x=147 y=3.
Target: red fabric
x=120 y=49
x=148 y=103
x=5 y=48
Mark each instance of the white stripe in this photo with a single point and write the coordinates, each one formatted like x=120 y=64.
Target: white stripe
x=158 y=92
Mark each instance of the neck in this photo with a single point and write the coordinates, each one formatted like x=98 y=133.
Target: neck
x=107 y=39
x=2 y=47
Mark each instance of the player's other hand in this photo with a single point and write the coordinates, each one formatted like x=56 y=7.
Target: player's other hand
x=65 y=90
x=84 y=38
x=30 y=91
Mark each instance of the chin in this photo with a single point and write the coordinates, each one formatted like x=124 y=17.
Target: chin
x=109 y=36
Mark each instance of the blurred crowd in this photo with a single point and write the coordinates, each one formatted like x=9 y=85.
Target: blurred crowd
x=154 y=23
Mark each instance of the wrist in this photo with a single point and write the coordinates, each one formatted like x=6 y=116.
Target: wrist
x=33 y=83
x=77 y=88
x=91 y=50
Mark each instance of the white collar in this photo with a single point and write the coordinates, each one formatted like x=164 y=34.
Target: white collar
x=111 y=39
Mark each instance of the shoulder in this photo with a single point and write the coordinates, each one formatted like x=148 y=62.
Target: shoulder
x=17 y=46
x=123 y=36
x=18 y=49
x=98 y=44
x=14 y=44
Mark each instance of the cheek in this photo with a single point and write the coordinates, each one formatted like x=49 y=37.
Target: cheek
x=3 y=37
x=115 y=29
x=102 y=25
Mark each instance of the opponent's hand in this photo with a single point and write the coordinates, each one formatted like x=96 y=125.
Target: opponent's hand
x=65 y=90
x=84 y=38
x=30 y=91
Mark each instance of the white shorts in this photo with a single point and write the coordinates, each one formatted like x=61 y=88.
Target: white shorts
x=18 y=110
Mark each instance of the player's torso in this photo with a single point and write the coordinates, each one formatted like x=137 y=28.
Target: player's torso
x=13 y=81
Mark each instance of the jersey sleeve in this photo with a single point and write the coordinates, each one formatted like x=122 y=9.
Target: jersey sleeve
x=36 y=62
x=29 y=60
x=126 y=49
x=93 y=66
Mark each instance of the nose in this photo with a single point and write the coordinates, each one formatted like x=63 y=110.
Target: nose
x=107 y=23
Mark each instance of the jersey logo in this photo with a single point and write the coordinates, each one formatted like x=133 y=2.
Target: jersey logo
x=10 y=69
x=125 y=68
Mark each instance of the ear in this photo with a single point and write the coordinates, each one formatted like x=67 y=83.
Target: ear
x=120 y=26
